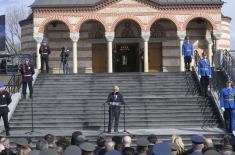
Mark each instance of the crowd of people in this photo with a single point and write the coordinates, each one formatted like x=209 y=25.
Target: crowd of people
x=116 y=145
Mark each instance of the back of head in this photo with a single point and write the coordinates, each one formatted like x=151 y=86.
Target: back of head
x=41 y=144
x=74 y=136
x=127 y=141
x=109 y=144
x=79 y=140
x=100 y=141
x=128 y=151
x=62 y=142
x=51 y=140
x=208 y=143
x=152 y=139
x=23 y=150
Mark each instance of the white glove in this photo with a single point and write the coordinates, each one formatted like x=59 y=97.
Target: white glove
x=199 y=76
x=210 y=76
x=222 y=109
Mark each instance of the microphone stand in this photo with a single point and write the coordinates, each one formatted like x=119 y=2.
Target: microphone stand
x=104 y=119
x=124 y=121
x=32 y=121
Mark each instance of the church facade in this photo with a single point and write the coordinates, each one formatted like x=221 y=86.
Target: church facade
x=125 y=35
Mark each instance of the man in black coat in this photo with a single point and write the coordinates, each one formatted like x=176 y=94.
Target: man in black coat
x=115 y=100
x=27 y=71
x=45 y=52
x=5 y=100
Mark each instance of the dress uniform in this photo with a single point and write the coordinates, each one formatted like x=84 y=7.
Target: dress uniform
x=64 y=60
x=115 y=99
x=27 y=71
x=72 y=150
x=44 y=51
x=187 y=50
x=204 y=72
x=5 y=100
x=227 y=103
x=197 y=140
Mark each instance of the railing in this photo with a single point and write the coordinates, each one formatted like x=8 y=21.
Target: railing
x=14 y=84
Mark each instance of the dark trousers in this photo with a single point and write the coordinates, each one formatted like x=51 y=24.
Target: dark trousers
x=29 y=83
x=44 y=59
x=187 y=62
x=114 y=114
x=4 y=116
x=204 y=81
x=227 y=119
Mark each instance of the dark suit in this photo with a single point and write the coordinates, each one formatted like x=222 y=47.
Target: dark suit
x=27 y=71
x=44 y=51
x=114 y=111
x=5 y=100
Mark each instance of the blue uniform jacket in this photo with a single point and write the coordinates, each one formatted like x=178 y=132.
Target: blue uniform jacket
x=187 y=49
x=204 y=68
x=227 y=96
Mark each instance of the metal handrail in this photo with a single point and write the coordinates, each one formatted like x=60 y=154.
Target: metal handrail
x=14 y=84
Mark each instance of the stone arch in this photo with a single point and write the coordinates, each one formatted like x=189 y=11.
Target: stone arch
x=155 y=19
x=205 y=17
x=87 y=19
x=51 y=19
x=132 y=18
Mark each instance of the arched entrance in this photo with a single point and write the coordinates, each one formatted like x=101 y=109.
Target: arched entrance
x=57 y=35
x=200 y=33
x=163 y=52
x=92 y=48
x=126 y=53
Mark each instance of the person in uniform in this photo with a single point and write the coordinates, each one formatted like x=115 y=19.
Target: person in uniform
x=87 y=148
x=227 y=104
x=197 y=145
x=64 y=59
x=142 y=146
x=115 y=99
x=187 y=52
x=5 y=100
x=204 y=72
x=44 y=51
x=27 y=71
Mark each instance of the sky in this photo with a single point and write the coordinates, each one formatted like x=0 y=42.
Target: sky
x=227 y=10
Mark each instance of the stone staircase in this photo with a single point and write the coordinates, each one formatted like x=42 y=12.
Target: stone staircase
x=64 y=103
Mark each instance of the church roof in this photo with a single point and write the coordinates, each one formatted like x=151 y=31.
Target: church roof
x=90 y=3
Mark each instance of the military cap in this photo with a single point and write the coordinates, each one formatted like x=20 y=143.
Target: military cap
x=162 y=149
x=142 y=142
x=48 y=152
x=87 y=147
x=21 y=141
x=1 y=84
x=211 y=152
x=197 y=139
x=113 y=152
x=72 y=150
x=34 y=152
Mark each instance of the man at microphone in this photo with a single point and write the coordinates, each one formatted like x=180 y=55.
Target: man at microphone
x=115 y=100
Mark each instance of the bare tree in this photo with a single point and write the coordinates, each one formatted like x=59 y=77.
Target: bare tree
x=13 y=32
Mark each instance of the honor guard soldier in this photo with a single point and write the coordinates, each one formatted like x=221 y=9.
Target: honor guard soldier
x=227 y=104
x=44 y=51
x=204 y=72
x=115 y=100
x=187 y=50
x=27 y=71
x=5 y=100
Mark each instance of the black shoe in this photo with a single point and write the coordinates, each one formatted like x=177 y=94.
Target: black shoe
x=7 y=133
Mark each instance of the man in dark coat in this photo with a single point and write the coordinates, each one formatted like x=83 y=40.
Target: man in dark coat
x=45 y=52
x=115 y=100
x=5 y=100
x=27 y=71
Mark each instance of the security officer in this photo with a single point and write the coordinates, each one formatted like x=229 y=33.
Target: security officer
x=64 y=59
x=204 y=72
x=115 y=99
x=187 y=52
x=27 y=71
x=197 y=145
x=45 y=52
x=5 y=100
x=227 y=104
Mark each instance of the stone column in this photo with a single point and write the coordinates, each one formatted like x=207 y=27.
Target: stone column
x=145 y=36
x=209 y=50
x=110 y=37
x=38 y=37
x=217 y=35
x=181 y=36
x=75 y=37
